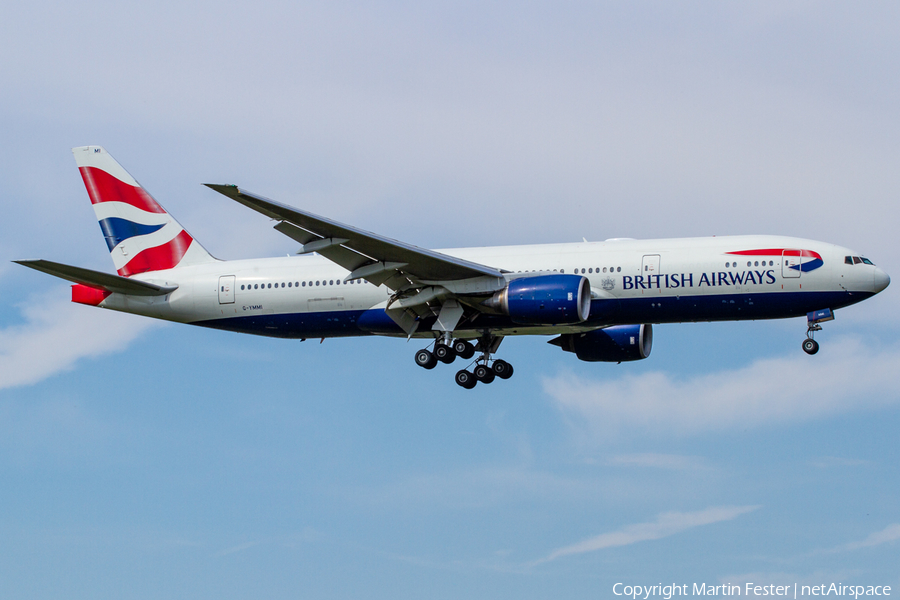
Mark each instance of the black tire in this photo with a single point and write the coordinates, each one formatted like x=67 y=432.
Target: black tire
x=810 y=346
x=425 y=359
x=465 y=379
x=445 y=354
x=464 y=349
x=484 y=374
x=502 y=369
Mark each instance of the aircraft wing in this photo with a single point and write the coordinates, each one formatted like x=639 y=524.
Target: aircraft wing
x=366 y=255
x=98 y=279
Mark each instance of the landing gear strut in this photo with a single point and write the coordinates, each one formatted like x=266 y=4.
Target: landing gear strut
x=486 y=369
x=811 y=346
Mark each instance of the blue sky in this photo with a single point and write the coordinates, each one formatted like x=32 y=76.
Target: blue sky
x=142 y=460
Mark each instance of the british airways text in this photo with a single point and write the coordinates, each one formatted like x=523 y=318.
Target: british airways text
x=686 y=280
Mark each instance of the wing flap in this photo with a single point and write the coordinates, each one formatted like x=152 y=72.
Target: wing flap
x=97 y=279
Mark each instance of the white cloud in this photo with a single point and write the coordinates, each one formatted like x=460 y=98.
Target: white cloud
x=666 y=524
x=848 y=375
x=891 y=533
x=57 y=333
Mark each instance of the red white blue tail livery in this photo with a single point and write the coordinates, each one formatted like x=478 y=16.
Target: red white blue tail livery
x=598 y=300
x=140 y=234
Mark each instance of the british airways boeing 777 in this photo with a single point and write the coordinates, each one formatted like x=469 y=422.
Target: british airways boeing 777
x=599 y=300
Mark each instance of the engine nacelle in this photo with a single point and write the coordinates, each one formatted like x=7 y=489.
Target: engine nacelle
x=544 y=300
x=612 y=344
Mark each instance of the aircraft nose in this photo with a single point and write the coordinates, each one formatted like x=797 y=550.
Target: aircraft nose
x=880 y=280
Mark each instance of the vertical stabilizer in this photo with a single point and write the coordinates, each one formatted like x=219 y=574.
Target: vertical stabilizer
x=140 y=234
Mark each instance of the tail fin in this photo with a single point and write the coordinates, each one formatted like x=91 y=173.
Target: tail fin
x=140 y=234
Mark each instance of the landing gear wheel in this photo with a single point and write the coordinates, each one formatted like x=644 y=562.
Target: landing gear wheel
x=502 y=369
x=425 y=359
x=465 y=379
x=445 y=354
x=810 y=346
x=464 y=349
x=484 y=374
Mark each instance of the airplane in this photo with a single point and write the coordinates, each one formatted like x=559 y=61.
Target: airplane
x=598 y=299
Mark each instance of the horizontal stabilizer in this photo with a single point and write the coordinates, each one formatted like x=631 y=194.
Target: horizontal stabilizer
x=97 y=279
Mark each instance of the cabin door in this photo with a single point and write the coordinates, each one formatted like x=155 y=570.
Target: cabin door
x=226 y=289
x=790 y=263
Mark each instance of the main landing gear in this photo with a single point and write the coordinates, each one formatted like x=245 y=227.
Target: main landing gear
x=485 y=370
x=811 y=346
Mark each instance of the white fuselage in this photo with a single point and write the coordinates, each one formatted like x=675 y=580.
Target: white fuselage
x=632 y=281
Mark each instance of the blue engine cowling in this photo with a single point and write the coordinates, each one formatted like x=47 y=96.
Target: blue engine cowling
x=612 y=344
x=544 y=300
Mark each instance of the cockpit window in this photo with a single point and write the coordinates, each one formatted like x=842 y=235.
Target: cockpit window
x=857 y=260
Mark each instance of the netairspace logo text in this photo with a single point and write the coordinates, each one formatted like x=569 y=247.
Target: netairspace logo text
x=667 y=592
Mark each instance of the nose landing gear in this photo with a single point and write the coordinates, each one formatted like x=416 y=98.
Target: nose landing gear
x=811 y=346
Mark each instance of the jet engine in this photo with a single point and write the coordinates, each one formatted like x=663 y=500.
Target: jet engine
x=611 y=344
x=544 y=300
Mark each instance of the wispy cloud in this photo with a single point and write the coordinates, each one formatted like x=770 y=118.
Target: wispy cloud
x=673 y=462
x=850 y=376
x=238 y=548
x=481 y=487
x=829 y=462
x=891 y=533
x=57 y=333
x=666 y=524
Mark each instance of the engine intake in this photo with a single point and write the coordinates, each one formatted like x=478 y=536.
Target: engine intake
x=544 y=300
x=612 y=344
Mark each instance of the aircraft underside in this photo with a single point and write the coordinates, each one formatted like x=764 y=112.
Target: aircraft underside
x=684 y=309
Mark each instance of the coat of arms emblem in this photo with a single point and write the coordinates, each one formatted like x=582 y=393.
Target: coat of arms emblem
x=608 y=283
